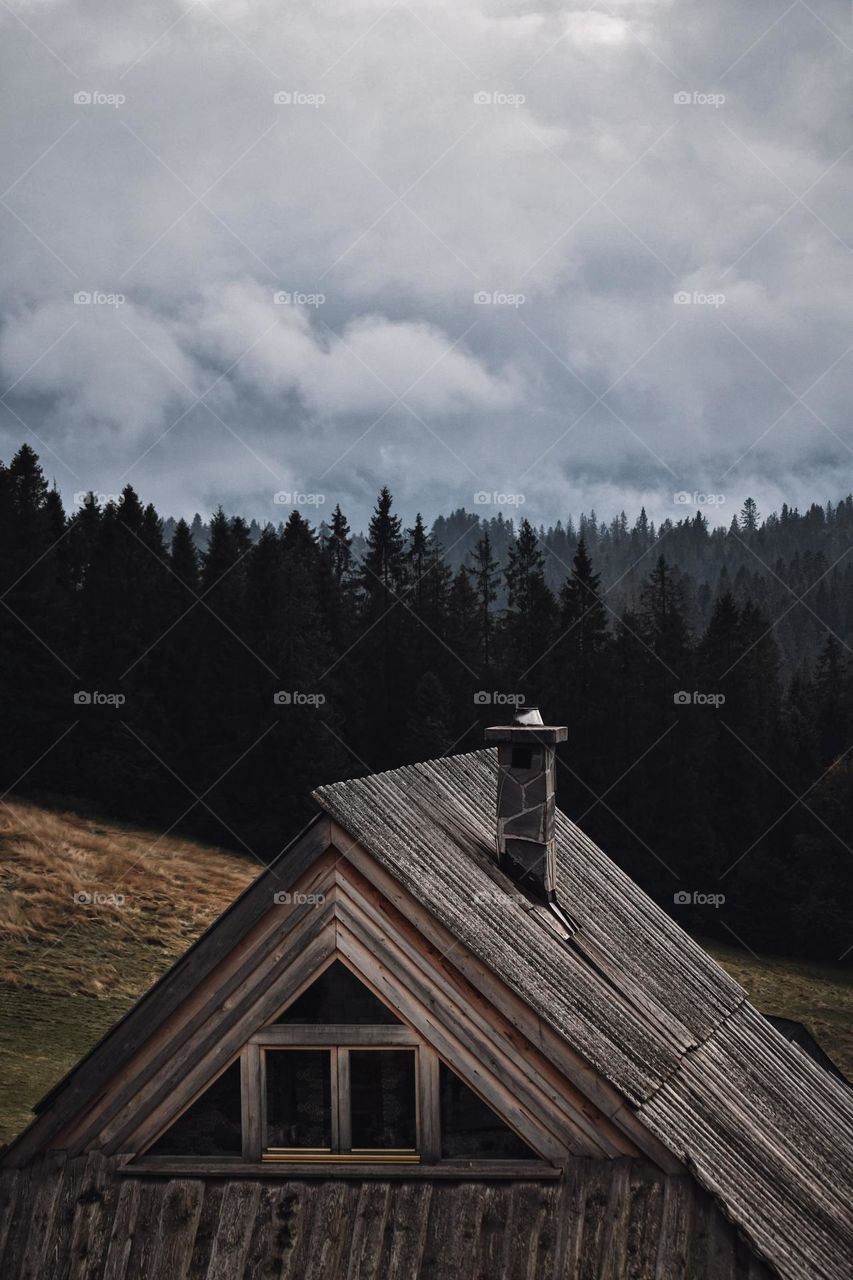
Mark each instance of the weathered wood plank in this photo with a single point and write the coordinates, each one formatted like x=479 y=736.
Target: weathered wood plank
x=17 y=1226
x=405 y=1230
x=95 y=1207
x=330 y=1034
x=145 y=1232
x=596 y=1234
x=205 y=1233
x=180 y=1212
x=331 y=1241
x=304 y=1204
x=676 y=1226
x=493 y=1238
x=270 y=1234
x=121 y=1234
x=530 y=1243
x=429 y=1104
x=450 y=1244
x=99 y=1228
x=10 y=1188
x=39 y=1258
x=234 y=1230
x=251 y=1102
x=368 y=1232
x=644 y=1224
x=722 y=1251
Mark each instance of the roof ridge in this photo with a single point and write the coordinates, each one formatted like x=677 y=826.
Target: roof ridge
x=400 y=770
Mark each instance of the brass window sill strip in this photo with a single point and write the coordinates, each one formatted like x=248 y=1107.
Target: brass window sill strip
x=292 y=1170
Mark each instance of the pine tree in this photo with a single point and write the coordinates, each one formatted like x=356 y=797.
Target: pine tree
x=485 y=578
x=384 y=625
x=339 y=545
x=832 y=702
x=749 y=516
x=583 y=617
x=530 y=617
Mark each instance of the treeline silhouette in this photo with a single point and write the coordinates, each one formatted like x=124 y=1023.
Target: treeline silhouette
x=210 y=690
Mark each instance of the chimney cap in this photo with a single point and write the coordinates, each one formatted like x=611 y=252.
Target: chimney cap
x=527 y=715
x=527 y=725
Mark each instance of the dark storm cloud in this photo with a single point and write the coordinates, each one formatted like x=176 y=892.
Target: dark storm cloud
x=284 y=293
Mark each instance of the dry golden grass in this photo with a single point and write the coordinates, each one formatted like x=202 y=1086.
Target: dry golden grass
x=69 y=968
x=128 y=901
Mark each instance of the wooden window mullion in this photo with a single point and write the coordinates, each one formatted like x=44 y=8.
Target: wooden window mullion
x=344 y=1107
x=251 y=1099
x=429 y=1111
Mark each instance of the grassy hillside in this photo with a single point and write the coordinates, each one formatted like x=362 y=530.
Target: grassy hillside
x=91 y=913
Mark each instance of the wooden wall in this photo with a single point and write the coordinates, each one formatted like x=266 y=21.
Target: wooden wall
x=609 y=1220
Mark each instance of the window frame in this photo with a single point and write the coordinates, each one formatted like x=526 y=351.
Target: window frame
x=339 y=1040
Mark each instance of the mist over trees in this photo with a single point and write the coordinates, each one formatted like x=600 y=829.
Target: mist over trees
x=206 y=677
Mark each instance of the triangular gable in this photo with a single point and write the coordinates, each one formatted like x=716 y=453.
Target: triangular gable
x=333 y=916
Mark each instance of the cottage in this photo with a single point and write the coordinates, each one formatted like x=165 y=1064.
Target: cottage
x=442 y=1036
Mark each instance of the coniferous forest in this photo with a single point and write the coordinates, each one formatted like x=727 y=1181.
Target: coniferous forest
x=205 y=678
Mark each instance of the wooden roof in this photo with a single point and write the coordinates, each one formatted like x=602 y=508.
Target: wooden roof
x=761 y=1126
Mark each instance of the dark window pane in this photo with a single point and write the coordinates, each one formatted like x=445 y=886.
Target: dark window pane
x=299 y=1111
x=382 y=1092
x=211 y=1126
x=470 y=1129
x=337 y=996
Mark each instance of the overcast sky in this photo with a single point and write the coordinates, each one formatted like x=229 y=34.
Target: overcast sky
x=580 y=167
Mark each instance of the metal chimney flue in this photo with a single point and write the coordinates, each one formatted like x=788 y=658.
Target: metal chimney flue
x=525 y=835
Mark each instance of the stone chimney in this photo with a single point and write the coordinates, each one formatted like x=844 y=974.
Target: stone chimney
x=527 y=800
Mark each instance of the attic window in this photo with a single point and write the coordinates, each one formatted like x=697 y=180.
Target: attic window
x=339 y=998
x=340 y=1103
x=211 y=1125
x=472 y=1130
x=522 y=758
